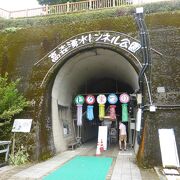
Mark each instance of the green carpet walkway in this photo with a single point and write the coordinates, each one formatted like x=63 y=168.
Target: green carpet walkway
x=82 y=168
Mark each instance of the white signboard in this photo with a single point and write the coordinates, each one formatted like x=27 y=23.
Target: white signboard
x=22 y=125
x=161 y=89
x=168 y=148
x=102 y=136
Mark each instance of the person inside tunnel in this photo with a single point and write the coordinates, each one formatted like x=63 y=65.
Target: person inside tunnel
x=122 y=136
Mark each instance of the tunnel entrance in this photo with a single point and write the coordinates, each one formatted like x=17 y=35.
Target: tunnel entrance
x=95 y=87
x=95 y=71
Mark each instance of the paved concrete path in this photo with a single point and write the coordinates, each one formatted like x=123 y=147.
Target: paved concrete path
x=123 y=167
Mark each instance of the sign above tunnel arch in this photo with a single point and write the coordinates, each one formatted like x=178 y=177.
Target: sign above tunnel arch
x=109 y=38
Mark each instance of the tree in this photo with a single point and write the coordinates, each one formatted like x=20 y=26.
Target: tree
x=11 y=101
x=52 y=2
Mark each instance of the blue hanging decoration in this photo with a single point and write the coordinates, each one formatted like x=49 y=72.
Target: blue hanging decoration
x=90 y=114
x=90 y=100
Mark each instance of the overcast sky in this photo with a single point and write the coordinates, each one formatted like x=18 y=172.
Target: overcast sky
x=18 y=4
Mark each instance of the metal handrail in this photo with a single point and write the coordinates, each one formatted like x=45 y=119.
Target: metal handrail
x=4 y=148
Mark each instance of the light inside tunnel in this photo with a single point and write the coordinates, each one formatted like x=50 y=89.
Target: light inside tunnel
x=95 y=70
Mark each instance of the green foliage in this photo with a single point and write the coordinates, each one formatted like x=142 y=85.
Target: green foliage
x=52 y=2
x=11 y=101
x=11 y=29
x=42 y=2
x=161 y=7
x=5 y=132
x=20 y=157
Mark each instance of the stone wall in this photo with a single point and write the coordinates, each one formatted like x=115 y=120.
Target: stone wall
x=19 y=51
x=165 y=74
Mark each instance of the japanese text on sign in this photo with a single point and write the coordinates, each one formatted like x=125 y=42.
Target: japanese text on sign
x=22 y=125
x=107 y=38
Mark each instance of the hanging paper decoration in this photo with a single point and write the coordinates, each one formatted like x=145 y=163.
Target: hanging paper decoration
x=101 y=99
x=124 y=99
x=89 y=113
x=101 y=111
x=113 y=112
x=90 y=99
x=112 y=98
x=79 y=114
x=79 y=100
x=124 y=113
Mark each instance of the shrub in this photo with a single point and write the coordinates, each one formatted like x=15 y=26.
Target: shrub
x=20 y=157
x=11 y=101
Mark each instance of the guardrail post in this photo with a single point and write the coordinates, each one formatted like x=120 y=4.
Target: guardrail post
x=26 y=12
x=67 y=6
x=90 y=4
x=47 y=9
x=114 y=3
x=136 y=2
x=7 y=153
x=9 y=15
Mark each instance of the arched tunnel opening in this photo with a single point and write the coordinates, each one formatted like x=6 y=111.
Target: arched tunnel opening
x=91 y=71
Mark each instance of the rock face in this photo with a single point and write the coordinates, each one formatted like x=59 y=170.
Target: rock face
x=20 y=50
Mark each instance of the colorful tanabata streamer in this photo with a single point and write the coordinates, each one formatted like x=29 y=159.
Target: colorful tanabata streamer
x=124 y=112
x=79 y=100
x=112 y=98
x=101 y=111
x=113 y=112
x=79 y=114
x=90 y=100
x=124 y=99
x=89 y=113
x=101 y=99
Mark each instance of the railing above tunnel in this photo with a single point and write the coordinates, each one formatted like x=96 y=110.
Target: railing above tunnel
x=71 y=7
